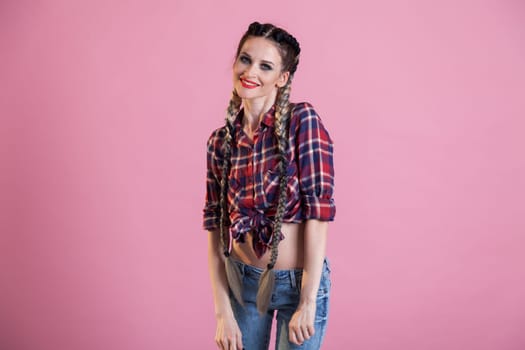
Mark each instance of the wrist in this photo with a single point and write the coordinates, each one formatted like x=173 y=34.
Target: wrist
x=307 y=301
x=223 y=314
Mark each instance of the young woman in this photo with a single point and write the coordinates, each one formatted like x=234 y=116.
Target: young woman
x=270 y=182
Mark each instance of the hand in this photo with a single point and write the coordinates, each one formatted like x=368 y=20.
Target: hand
x=228 y=335
x=301 y=326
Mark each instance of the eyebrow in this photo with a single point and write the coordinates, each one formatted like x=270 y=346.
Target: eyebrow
x=264 y=61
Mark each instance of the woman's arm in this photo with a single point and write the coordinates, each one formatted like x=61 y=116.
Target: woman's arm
x=218 y=276
x=301 y=325
x=314 y=149
x=315 y=236
x=228 y=335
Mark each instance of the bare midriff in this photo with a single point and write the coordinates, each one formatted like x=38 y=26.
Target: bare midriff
x=290 y=249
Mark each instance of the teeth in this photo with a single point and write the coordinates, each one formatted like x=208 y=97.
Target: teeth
x=248 y=83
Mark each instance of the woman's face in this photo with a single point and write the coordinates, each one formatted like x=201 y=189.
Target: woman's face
x=257 y=72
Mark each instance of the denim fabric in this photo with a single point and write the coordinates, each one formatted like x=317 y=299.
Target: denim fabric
x=256 y=328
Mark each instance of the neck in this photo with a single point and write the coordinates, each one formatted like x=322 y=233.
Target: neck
x=254 y=109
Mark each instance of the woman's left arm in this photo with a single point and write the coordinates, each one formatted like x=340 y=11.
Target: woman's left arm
x=314 y=150
x=301 y=325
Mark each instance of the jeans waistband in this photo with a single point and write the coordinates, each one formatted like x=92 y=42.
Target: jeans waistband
x=292 y=275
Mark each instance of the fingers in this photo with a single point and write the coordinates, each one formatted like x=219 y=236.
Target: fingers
x=293 y=339
x=219 y=344
x=228 y=335
x=239 y=342
x=311 y=330
x=228 y=344
x=299 y=334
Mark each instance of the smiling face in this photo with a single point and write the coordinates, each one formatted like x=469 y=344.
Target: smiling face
x=257 y=72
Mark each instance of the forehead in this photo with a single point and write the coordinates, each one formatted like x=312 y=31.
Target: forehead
x=262 y=49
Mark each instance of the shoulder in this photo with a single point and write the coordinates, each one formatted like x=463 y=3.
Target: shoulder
x=216 y=135
x=303 y=110
x=304 y=116
x=305 y=122
x=215 y=141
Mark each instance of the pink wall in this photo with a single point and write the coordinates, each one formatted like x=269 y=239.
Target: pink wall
x=105 y=109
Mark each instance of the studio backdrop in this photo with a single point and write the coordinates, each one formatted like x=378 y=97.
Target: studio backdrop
x=105 y=110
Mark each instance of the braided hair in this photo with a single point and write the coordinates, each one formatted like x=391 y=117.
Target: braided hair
x=289 y=50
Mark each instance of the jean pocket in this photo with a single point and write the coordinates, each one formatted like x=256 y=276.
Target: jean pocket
x=324 y=289
x=322 y=302
x=327 y=265
x=325 y=284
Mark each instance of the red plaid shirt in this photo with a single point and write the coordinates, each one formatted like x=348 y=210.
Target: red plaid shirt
x=253 y=181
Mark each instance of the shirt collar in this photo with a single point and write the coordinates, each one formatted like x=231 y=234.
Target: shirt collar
x=268 y=118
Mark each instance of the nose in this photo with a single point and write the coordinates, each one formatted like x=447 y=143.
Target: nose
x=250 y=70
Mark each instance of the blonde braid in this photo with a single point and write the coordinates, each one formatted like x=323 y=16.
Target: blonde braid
x=281 y=122
x=267 y=279
x=232 y=272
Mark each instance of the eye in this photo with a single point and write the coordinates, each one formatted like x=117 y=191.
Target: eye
x=265 y=66
x=244 y=59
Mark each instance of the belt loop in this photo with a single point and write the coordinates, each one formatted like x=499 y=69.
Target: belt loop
x=293 y=281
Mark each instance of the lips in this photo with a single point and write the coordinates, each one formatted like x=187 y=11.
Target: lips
x=248 y=84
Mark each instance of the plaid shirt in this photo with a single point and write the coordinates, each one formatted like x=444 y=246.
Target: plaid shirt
x=253 y=181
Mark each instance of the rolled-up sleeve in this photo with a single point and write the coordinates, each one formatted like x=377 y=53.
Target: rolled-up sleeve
x=211 y=212
x=315 y=166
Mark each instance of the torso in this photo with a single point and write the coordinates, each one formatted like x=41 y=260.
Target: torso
x=290 y=249
x=254 y=183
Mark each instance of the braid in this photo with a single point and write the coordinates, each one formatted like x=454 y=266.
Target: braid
x=233 y=274
x=281 y=120
x=233 y=108
x=267 y=279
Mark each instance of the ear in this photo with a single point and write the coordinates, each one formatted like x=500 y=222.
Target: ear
x=283 y=79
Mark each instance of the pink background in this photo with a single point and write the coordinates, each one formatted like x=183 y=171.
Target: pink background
x=105 y=110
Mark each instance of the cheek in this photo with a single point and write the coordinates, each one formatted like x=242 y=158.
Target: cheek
x=238 y=65
x=270 y=79
x=237 y=68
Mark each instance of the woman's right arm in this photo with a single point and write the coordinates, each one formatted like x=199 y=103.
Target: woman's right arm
x=228 y=335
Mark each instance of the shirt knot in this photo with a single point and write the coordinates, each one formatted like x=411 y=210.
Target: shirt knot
x=261 y=228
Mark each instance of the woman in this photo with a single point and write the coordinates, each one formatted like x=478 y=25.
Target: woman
x=269 y=193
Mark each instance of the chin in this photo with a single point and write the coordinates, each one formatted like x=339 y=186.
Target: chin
x=245 y=94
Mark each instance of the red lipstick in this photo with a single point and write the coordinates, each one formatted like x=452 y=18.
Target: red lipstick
x=248 y=84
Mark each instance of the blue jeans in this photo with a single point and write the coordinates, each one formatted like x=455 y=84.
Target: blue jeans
x=256 y=328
